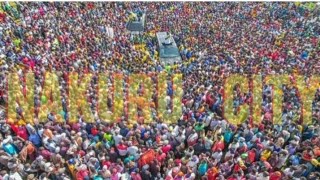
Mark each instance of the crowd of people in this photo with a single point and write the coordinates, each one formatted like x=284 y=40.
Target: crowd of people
x=215 y=39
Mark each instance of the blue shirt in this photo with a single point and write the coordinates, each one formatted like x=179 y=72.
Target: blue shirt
x=228 y=136
x=304 y=55
x=295 y=160
x=35 y=139
x=10 y=149
x=203 y=167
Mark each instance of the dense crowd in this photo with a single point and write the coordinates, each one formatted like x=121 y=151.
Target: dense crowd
x=215 y=39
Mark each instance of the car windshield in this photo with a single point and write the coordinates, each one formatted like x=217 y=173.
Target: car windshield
x=168 y=52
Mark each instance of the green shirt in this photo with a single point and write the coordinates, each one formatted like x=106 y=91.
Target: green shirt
x=17 y=42
x=107 y=137
x=199 y=127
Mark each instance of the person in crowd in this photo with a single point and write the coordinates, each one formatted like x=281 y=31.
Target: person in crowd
x=215 y=39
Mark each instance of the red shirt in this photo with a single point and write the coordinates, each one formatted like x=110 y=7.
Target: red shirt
x=209 y=100
x=218 y=145
x=94 y=131
x=90 y=5
x=275 y=176
x=306 y=156
x=212 y=175
x=275 y=56
x=2 y=17
x=314 y=41
x=232 y=178
x=122 y=149
x=135 y=176
x=82 y=174
x=15 y=128
x=81 y=153
x=22 y=132
x=106 y=163
x=161 y=157
x=76 y=126
x=165 y=149
x=252 y=156
x=46 y=154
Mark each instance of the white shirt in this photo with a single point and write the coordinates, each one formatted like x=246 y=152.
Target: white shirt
x=8 y=139
x=192 y=177
x=261 y=177
x=132 y=150
x=117 y=139
x=207 y=121
x=208 y=143
x=40 y=132
x=14 y=176
x=288 y=172
x=217 y=156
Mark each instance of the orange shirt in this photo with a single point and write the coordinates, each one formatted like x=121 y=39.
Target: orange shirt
x=48 y=133
x=30 y=148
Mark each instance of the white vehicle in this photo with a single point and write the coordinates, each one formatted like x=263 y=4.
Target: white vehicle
x=168 y=50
